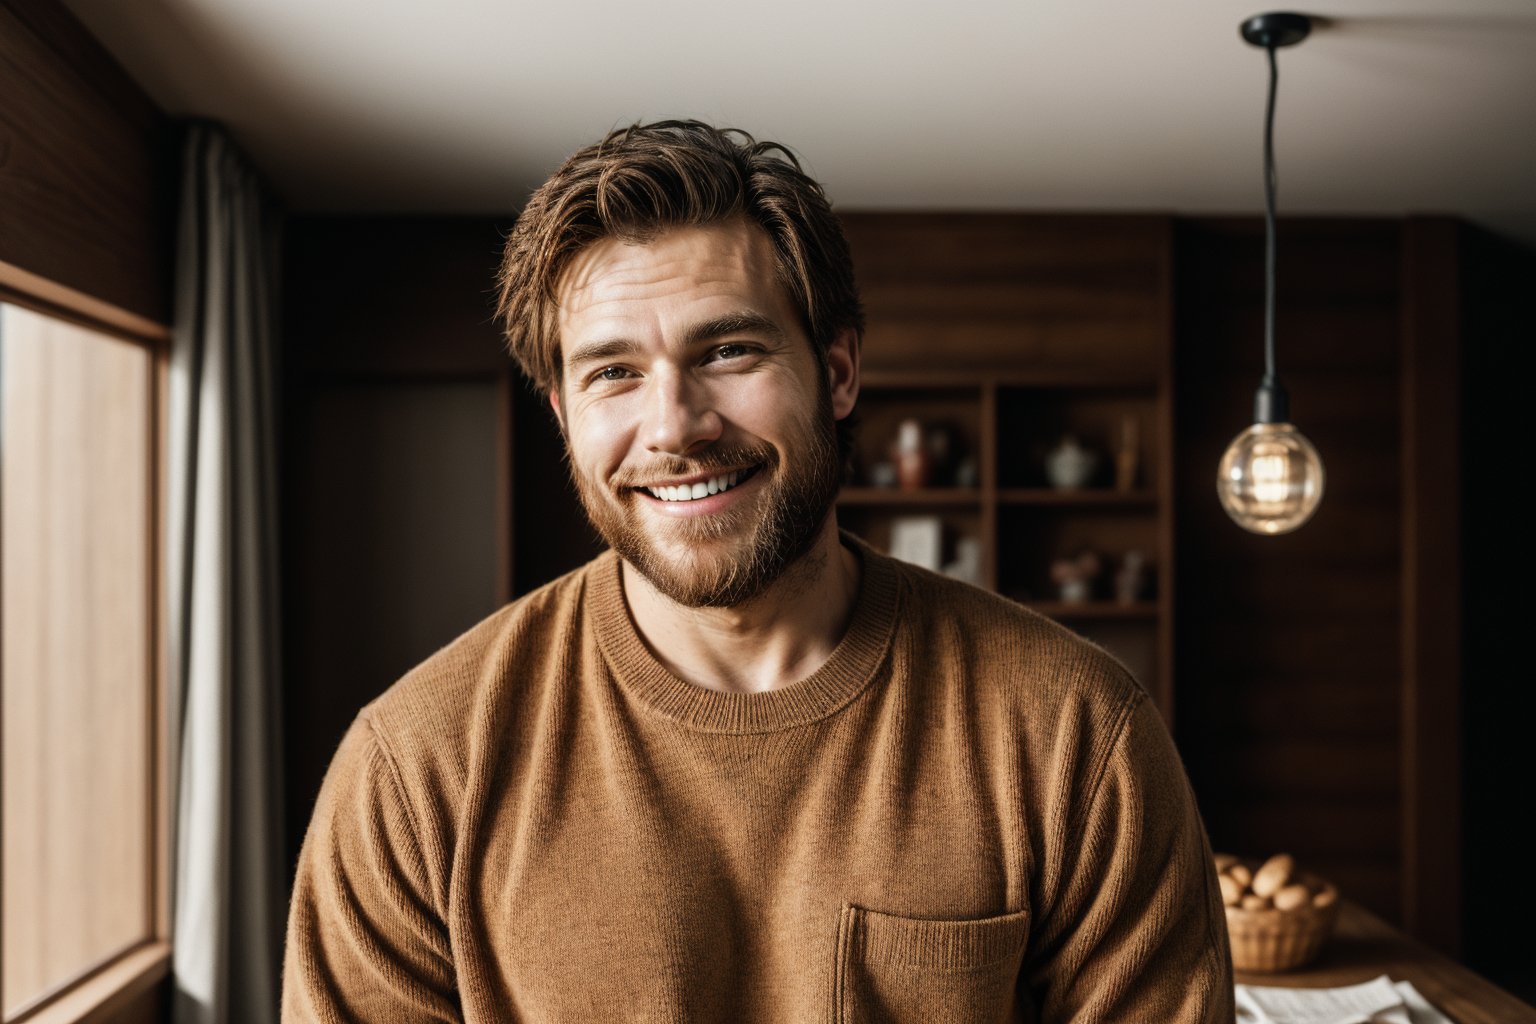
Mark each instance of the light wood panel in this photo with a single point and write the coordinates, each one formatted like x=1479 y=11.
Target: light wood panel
x=77 y=665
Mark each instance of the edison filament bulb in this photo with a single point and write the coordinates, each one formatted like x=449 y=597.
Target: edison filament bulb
x=1271 y=479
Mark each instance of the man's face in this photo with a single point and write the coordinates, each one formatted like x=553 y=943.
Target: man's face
x=699 y=423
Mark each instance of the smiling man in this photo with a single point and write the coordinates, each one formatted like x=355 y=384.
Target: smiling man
x=741 y=767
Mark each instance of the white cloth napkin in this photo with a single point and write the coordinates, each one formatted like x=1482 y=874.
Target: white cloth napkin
x=1382 y=1001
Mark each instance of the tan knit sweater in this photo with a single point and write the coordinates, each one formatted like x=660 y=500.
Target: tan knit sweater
x=966 y=815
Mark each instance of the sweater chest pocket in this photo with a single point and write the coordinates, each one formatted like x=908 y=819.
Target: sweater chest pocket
x=894 y=970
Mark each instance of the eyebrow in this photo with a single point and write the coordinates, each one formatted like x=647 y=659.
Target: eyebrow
x=742 y=322
x=601 y=350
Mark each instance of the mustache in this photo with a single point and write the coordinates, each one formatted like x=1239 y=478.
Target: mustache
x=711 y=459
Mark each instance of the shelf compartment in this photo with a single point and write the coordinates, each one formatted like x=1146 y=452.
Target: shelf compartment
x=1030 y=538
x=873 y=523
x=955 y=413
x=1031 y=422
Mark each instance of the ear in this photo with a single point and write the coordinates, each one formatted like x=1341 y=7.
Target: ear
x=554 y=403
x=843 y=372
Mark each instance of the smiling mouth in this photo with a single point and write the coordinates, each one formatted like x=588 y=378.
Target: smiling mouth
x=702 y=489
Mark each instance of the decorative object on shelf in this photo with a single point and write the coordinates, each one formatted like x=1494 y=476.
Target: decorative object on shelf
x=919 y=540
x=1069 y=465
x=941 y=453
x=1131 y=580
x=883 y=475
x=1074 y=576
x=1278 y=917
x=1270 y=480
x=1127 y=458
x=967 y=563
x=966 y=473
x=914 y=462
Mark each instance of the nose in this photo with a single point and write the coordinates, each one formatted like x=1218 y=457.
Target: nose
x=681 y=417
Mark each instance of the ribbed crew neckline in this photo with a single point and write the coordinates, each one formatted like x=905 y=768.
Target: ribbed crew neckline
x=832 y=686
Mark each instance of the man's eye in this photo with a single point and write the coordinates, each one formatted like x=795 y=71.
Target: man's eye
x=731 y=351
x=611 y=373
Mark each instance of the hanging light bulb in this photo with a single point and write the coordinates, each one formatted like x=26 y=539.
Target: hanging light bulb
x=1270 y=479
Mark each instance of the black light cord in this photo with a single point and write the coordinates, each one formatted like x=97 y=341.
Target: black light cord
x=1269 y=223
x=1271 y=31
x=1271 y=404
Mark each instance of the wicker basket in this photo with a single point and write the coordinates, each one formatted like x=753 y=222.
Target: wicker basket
x=1282 y=940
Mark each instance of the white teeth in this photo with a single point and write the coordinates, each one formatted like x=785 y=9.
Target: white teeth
x=690 y=492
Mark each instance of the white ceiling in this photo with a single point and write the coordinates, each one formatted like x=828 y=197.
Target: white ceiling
x=464 y=105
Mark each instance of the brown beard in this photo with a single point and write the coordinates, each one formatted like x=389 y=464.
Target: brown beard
x=775 y=532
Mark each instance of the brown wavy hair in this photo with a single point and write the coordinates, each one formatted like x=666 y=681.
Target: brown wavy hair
x=642 y=180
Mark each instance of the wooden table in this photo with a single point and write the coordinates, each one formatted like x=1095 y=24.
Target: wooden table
x=1363 y=947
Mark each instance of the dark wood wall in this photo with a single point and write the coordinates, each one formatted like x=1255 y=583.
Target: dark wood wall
x=87 y=170
x=1075 y=294
x=1499 y=701
x=403 y=419
x=1288 y=647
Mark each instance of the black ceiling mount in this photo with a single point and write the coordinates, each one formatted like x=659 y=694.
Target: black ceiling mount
x=1278 y=28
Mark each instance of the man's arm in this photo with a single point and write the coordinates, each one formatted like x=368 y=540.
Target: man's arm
x=365 y=942
x=1135 y=930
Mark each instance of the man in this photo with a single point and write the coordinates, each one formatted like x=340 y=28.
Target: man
x=741 y=767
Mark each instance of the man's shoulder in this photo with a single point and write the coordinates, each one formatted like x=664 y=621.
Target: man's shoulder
x=1012 y=649
x=433 y=706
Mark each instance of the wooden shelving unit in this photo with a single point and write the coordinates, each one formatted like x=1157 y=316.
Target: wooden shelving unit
x=1003 y=425
x=1008 y=331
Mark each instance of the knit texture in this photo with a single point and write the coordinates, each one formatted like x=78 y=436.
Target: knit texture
x=968 y=814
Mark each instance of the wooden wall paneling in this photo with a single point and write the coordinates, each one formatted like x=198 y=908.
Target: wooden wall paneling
x=1161 y=473
x=553 y=535
x=162 y=730
x=391 y=549
x=392 y=295
x=87 y=178
x=400 y=430
x=1498 y=703
x=1069 y=292
x=1292 y=643
x=80 y=653
x=1431 y=582
x=988 y=478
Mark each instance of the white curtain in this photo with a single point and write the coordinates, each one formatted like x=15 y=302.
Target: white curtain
x=221 y=546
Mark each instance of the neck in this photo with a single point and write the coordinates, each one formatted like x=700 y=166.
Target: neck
x=781 y=636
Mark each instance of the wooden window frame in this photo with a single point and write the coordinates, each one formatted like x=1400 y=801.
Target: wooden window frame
x=121 y=985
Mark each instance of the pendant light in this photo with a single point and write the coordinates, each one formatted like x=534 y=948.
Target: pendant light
x=1271 y=479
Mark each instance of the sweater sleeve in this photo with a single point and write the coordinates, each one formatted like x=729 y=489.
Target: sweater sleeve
x=1136 y=929
x=364 y=940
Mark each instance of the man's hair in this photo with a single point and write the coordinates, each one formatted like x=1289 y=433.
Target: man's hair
x=647 y=178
